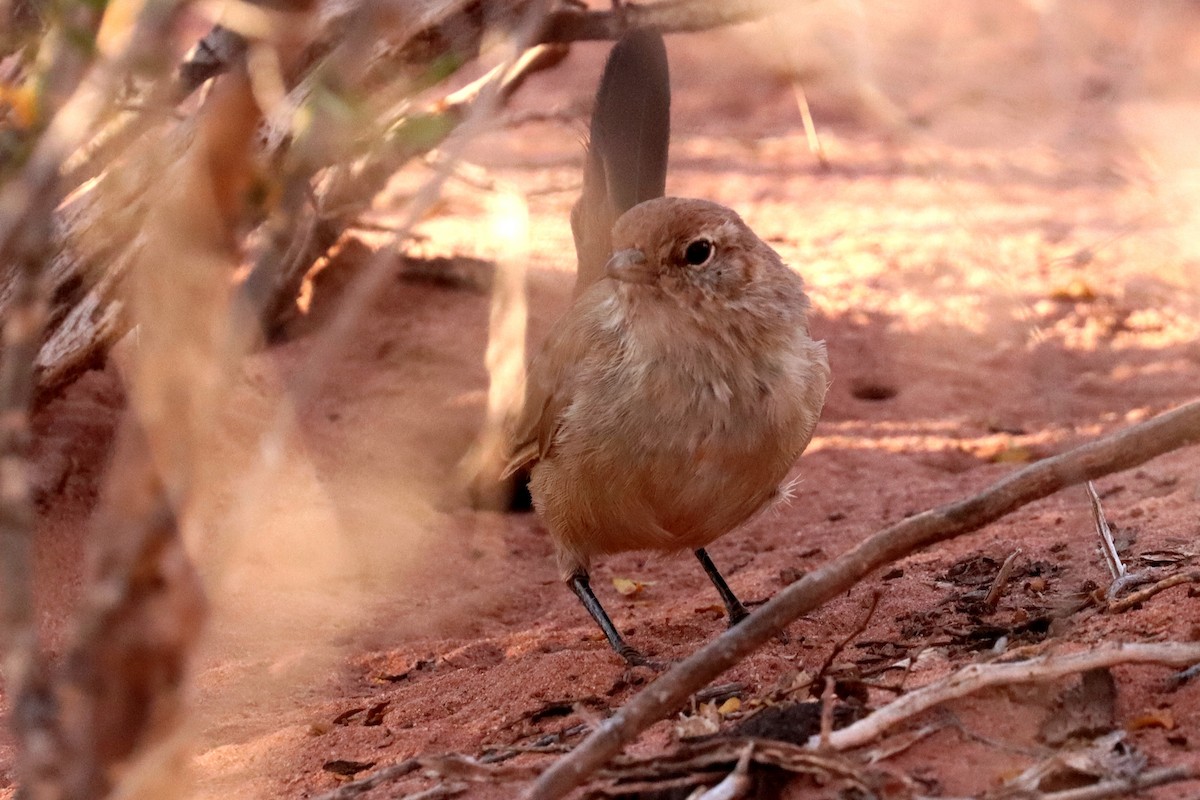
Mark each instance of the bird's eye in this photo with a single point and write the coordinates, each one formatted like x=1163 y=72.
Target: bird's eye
x=698 y=252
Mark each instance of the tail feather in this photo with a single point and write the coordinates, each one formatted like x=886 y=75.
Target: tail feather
x=627 y=152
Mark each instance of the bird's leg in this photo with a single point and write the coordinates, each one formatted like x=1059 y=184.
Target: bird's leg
x=737 y=611
x=582 y=588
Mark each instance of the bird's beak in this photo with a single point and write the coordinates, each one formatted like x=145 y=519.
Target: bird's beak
x=630 y=266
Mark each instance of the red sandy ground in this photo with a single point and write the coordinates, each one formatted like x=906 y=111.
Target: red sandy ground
x=1011 y=274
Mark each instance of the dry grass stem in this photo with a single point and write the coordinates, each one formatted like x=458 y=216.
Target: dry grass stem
x=1107 y=546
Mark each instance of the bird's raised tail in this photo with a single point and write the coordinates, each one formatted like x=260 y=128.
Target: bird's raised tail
x=627 y=151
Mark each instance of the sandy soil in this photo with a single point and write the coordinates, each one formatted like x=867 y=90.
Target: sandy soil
x=1004 y=259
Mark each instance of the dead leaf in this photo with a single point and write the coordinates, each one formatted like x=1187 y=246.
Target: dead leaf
x=375 y=714
x=1013 y=454
x=1162 y=718
x=1165 y=557
x=628 y=586
x=705 y=722
x=1077 y=291
x=730 y=706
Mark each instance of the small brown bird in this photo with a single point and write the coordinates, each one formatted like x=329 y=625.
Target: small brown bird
x=674 y=395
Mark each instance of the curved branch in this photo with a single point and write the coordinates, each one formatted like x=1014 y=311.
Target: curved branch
x=573 y=24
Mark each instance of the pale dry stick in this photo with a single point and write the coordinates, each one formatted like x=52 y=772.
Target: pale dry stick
x=437 y=792
x=737 y=783
x=126 y=667
x=827 y=698
x=1115 y=787
x=1142 y=595
x=976 y=677
x=1005 y=572
x=1113 y=453
x=1107 y=545
x=902 y=742
x=810 y=128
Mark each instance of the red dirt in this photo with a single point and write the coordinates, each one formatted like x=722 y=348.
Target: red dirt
x=1013 y=274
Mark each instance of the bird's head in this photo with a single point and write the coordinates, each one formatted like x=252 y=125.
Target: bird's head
x=687 y=250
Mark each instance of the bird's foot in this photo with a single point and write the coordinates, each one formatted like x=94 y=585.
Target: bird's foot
x=737 y=614
x=634 y=658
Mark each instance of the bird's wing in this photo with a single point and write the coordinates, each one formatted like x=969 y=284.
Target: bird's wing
x=627 y=147
x=551 y=385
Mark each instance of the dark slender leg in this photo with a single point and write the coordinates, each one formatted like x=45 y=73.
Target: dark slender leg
x=583 y=590
x=737 y=611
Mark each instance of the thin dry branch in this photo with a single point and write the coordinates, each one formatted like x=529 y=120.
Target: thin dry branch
x=364 y=785
x=977 y=677
x=1142 y=595
x=275 y=280
x=859 y=627
x=1113 y=453
x=475 y=108
x=457 y=28
x=1001 y=580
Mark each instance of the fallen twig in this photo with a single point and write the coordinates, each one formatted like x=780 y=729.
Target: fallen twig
x=827 y=699
x=1107 y=545
x=737 y=783
x=976 y=677
x=723 y=754
x=903 y=741
x=378 y=778
x=1182 y=677
x=1113 y=453
x=1142 y=595
x=1002 y=575
x=437 y=792
x=1117 y=787
x=872 y=604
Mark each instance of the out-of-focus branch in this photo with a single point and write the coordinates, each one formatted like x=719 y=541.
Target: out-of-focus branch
x=27 y=202
x=144 y=607
x=431 y=40
x=119 y=689
x=574 y=24
x=140 y=618
x=348 y=191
